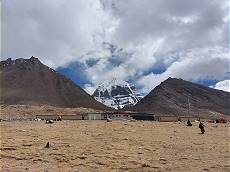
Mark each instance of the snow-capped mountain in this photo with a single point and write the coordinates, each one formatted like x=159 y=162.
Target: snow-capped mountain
x=117 y=94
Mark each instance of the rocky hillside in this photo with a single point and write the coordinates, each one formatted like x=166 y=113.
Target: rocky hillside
x=179 y=97
x=29 y=82
x=117 y=94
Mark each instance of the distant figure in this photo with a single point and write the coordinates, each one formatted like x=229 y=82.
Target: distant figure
x=201 y=126
x=189 y=123
x=59 y=118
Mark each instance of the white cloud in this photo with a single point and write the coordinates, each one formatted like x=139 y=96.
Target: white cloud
x=130 y=64
x=188 y=37
x=222 y=85
x=183 y=24
x=56 y=31
x=183 y=20
x=193 y=65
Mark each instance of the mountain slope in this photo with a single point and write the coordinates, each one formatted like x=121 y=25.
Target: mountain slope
x=29 y=82
x=117 y=94
x=179 y=97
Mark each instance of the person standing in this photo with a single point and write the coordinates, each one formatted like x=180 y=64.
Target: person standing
x=201 y=126
x=189 y=123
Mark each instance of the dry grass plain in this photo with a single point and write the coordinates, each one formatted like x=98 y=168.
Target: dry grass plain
x=113 y=146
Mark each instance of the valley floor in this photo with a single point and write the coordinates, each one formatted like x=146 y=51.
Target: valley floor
x=113 y=146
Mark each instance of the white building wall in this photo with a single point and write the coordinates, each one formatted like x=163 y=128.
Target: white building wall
x=95 y=116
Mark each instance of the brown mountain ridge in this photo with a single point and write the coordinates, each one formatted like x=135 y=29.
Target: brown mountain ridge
x=29 y=82
x=180 y=97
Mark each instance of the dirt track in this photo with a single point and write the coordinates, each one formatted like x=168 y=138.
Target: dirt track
x=114 y=146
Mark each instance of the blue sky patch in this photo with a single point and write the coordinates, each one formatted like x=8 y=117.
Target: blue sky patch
x=206 y=82
x=75 y=72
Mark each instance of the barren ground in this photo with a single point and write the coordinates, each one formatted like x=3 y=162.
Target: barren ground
x=113 y=146
x=24 y=112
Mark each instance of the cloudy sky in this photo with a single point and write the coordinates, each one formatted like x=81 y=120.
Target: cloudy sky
x=140 y=41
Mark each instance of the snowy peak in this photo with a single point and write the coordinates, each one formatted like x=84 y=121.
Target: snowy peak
x=117 y=94
x=109 y=87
